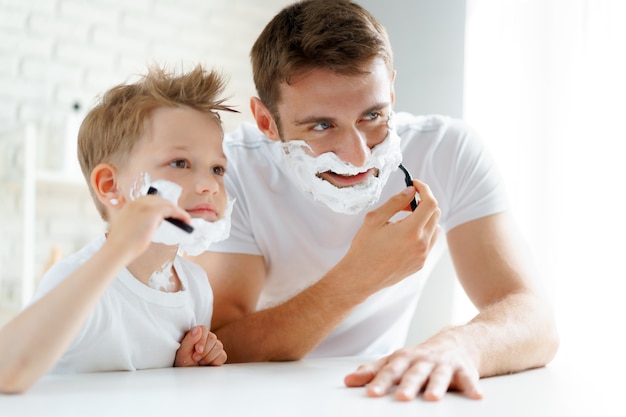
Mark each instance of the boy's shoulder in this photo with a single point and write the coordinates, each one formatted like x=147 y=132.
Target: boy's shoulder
x=64 y=267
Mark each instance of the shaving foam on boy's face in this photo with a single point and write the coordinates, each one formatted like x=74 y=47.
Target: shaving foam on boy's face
x=305 y=170
x=204 y=234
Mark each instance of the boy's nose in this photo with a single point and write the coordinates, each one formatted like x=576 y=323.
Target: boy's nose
x=207 y=184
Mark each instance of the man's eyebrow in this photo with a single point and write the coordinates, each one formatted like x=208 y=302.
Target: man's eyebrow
x=322 y=119
x=314 y=120
x=377 y=107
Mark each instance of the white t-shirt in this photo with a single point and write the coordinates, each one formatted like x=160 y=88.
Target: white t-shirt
x=132 y=326
x=301 y=239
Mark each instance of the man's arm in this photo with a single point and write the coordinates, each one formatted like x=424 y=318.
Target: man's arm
x=513 y=331
x=285 y=332
x=499 y=276
x=291 y=330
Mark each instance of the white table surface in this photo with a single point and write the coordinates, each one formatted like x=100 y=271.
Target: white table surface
x=311 y=387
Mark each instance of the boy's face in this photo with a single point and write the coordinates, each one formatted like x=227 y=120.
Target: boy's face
x=345 y=115
x=183 y=146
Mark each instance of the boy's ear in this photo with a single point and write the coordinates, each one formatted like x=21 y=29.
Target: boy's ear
x=104 y=184
x=264 y=120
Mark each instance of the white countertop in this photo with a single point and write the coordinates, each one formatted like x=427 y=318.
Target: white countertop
x=306 y=388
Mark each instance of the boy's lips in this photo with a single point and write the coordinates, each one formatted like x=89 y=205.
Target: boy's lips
x=204 y=210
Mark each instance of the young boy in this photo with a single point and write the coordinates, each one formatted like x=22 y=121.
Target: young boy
x=126 y=300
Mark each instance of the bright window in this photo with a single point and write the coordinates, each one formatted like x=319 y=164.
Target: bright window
x=546 y=88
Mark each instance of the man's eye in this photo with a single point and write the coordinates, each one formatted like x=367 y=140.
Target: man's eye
x=219 y=170
x=179 y=163
x=321 y=126
x=372 y=116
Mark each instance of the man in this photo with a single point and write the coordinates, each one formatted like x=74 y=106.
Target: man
x=324 y=259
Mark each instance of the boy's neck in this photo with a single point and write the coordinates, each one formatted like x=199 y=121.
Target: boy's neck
x=157 y=259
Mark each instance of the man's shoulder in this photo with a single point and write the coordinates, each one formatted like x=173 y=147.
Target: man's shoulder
x=407 y=123
x=251 y=155
x=246 y=136
x=425 y=134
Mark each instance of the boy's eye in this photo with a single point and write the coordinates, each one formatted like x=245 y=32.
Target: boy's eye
x=179 y=163
x=219 y=170
x=321 y=126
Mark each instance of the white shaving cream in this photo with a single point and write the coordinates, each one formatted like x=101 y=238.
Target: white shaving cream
x=386 y=156
x=204 y=232
x=161 y=279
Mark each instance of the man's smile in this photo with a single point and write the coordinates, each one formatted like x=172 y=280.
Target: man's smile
x=345 y=180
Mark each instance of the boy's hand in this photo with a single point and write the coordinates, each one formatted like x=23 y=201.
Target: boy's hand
x=132 y=227
x=200 y=347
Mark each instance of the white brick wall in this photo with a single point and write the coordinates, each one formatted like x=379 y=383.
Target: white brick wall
x=54 y=53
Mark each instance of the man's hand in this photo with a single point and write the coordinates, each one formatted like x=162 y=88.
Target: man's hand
x=383 y=253
x=200 y=347
x=434 y=367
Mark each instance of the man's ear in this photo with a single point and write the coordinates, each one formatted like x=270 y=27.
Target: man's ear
x=393 y=90
x=104 y=184
x=264 y=120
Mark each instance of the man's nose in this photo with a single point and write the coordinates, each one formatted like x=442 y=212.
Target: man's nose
x=354 y=148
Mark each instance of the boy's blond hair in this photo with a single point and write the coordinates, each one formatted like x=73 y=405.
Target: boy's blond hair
x=113 y=127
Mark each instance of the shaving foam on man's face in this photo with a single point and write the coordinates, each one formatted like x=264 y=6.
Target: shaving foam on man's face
x=305 y=169
x=204 y=234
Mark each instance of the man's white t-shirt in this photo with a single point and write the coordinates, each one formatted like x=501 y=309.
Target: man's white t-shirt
x=301 y=239
x=132 y=326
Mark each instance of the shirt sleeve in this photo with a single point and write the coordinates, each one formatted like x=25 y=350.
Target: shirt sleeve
x=471 y=182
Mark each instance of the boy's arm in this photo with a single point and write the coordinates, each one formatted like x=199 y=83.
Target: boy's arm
x=32 y=343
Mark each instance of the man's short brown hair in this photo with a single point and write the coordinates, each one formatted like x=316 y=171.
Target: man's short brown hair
x=335 y=34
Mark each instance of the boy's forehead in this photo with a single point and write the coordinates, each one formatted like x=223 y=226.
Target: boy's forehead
x=166 y=117
x=180 y=129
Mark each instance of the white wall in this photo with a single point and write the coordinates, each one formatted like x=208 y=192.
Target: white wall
x=428 y=41
x=55 y=52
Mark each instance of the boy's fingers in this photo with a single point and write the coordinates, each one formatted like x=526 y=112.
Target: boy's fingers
x=201 y=344
x=214 y=355
x=191 y=338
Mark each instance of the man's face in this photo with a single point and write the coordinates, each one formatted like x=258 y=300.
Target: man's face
x=346 y=115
